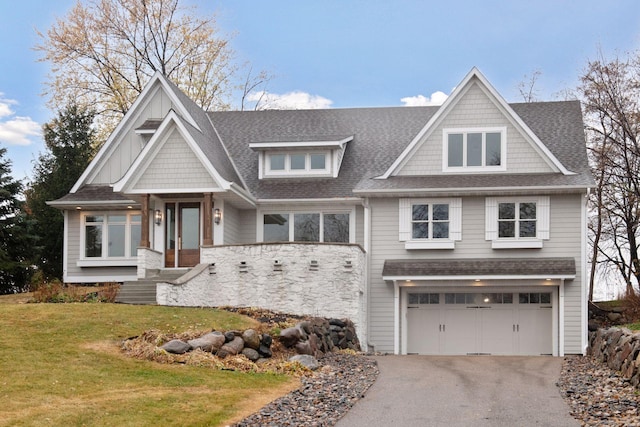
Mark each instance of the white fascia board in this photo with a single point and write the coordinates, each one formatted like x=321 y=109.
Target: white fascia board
x=244 y=194
x=480 y=277
x=155 y=143
x=133 y=110
x=350 y=200
x=300 y=144
x=478 y=191
x=93 y=203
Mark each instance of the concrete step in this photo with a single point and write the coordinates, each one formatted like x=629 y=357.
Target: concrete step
x=144 y=291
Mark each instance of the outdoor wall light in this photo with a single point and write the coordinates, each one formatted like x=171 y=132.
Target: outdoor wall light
x=157 y=217
x=217 y=215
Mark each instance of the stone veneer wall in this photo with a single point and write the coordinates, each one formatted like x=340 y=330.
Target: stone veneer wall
x=619 y=348
x=148 y=259
x=324 y=280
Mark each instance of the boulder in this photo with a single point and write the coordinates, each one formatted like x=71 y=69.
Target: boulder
x=306 y=360
x=289 y=337
x=251 y=354
x=265 y=351
x=251 y=339
x=266 y=340
x=176 y=347
x=303 y=347
x=210 y=342
x=231 y=348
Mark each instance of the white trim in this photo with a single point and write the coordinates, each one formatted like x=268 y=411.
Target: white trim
x=111 y=262
x=145 y=96
x=349 y=200
x=154 y=146
x=339 y=143
x=474 y=190
x=177 y=190
x=288 y=172
x=516 y=244
x=430 y=244
x=405 y=223
x=555 y=319
x=100 y=279
x=483 y=277
x=561 y=318
x=450 y=102
x=260 y=213
x=65 y=244
x=396 y=318
x=585 y=281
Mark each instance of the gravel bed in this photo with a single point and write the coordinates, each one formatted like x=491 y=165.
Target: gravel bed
x=323 y=398
x=597 y=395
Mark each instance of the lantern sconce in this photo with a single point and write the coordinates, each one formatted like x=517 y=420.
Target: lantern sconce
x=217 y=216
x=157 y=216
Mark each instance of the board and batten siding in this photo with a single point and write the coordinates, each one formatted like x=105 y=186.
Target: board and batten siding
x=565 y=241
x=475 y=110
x=86 y=274
x=130 y=144
x=175 y=166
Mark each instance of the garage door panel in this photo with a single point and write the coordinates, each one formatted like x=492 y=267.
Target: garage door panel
x=497 y=331
x=460 y=336
x=535 y=333
x=423 y=331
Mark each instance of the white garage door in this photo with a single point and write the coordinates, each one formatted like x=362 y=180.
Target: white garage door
x=504 y=323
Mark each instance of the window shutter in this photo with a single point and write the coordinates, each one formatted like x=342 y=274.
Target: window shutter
x=491 y=218
x=455 y=219
x=404 y=215
x=544 y=206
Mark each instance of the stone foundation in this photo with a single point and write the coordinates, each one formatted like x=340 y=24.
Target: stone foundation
x=618 y=348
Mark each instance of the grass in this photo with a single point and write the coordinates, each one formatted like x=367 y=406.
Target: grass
x=61 y=364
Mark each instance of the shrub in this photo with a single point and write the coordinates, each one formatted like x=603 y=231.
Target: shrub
x=631 y=303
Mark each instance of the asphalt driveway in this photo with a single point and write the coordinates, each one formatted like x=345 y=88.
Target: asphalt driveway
x=463 y=391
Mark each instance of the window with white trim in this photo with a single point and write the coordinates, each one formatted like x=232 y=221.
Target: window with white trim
x=113 y=235
x=517 y=222
x=329 y=226
x=470 y=150
x=297 y=163
x=430 y=223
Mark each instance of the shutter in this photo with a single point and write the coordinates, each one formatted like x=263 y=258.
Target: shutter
x=404 y=217
x=491 y=218
x=543 y=210
x=455 y=219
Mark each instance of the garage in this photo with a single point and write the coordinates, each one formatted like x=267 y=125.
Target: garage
x=476 y=306
x=473 y=323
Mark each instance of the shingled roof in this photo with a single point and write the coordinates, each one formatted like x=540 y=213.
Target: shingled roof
x=379 y=137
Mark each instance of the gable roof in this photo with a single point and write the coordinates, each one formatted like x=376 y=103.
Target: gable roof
x=474 y=76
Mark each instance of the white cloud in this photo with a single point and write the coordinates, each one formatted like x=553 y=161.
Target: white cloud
x=15 y=130
x=289 y=101
x=5 y=109
x=18 y=130
x=436 y=98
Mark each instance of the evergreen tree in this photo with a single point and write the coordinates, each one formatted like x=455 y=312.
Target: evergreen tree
x=15 y=240
x=69 y=140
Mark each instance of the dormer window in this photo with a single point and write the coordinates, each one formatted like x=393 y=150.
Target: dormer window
x=300 y=159
x=474 y=150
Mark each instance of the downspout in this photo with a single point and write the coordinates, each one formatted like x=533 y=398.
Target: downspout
x=367 y=257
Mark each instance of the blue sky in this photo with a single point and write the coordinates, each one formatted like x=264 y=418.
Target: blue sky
x=351 y=53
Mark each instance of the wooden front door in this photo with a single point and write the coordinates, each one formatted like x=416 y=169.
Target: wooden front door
x=182 y=248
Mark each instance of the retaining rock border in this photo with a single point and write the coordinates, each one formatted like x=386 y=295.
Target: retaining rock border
x=619 y=349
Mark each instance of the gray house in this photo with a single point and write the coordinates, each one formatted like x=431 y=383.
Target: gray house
x=458 y=229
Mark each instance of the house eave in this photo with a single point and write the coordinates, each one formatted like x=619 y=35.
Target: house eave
x=461 y=191
x=477 y=279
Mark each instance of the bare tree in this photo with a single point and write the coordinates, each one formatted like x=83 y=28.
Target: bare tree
x=611 y=98
x=103 y=52
x=527 y=87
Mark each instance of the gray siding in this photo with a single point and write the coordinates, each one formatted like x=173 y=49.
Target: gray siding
x=360 y=225
x=86 y=274
x=123 y=154
x=247 y=226
x=565 y=241
x=175 y=159
x=475 y=109
x=231 y=225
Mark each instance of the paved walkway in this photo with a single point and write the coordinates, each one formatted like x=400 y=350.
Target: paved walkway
x=463 y=391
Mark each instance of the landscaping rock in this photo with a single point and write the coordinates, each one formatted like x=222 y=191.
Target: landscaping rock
x=251 y=339
x=231 y=348
x=251 y=354
x=210 y=342
x=306 y=360
x=289 y=337
x=176 y=347
x=265 y=351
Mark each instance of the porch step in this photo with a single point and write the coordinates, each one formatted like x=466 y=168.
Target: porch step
x=143 y=291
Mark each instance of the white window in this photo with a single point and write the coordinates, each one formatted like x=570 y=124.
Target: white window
x=517 y=222
x=297 y=164
x=472 y=150
x=430 y=223
x=334 y=227
x=109 y=236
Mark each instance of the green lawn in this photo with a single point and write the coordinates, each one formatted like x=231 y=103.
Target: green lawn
x=60 y=364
